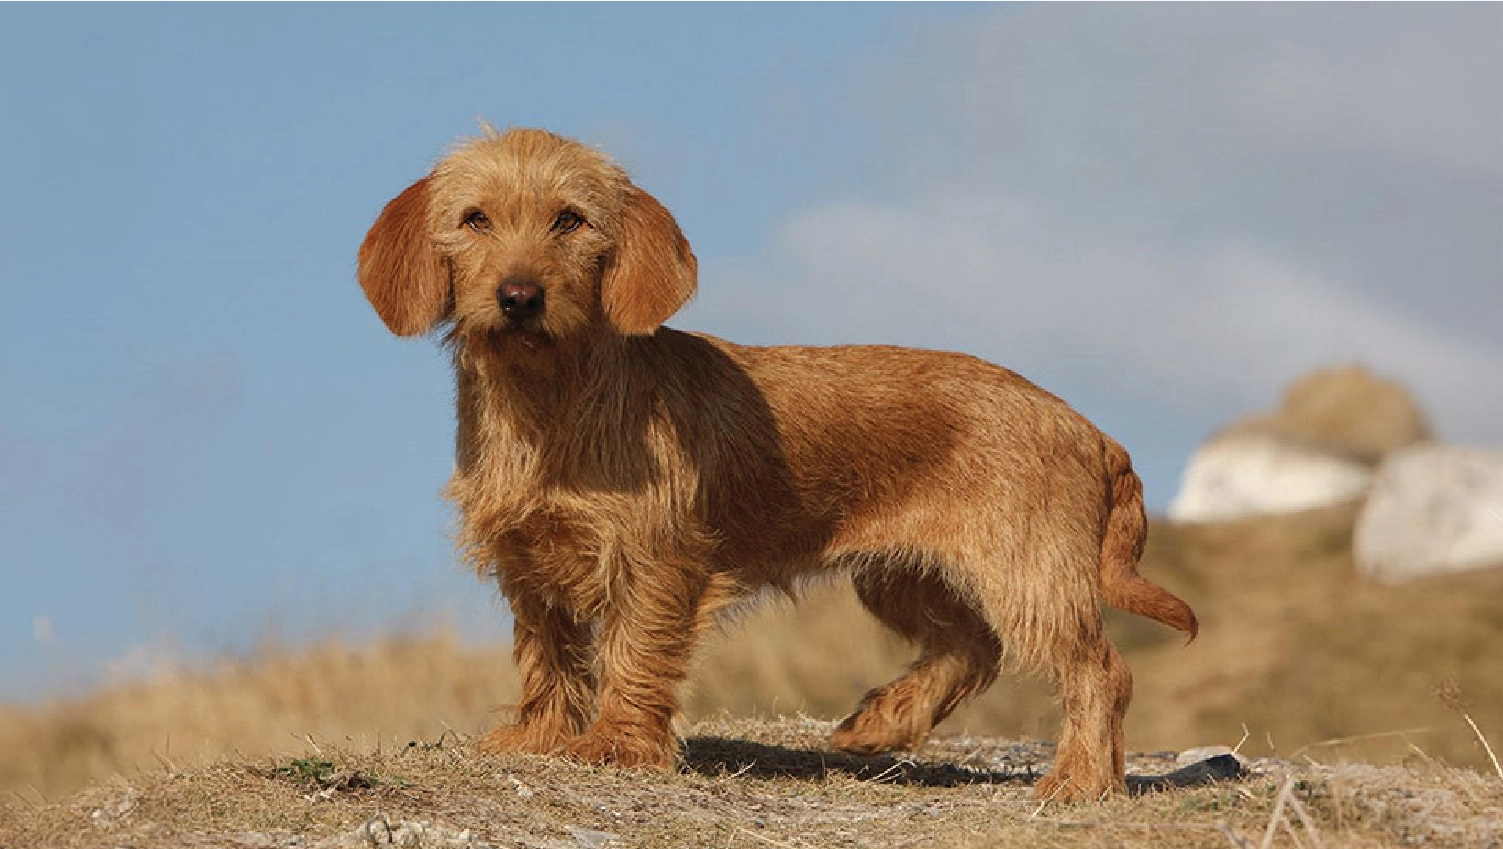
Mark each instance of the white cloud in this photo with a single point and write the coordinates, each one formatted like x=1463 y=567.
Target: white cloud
x=1186 y=205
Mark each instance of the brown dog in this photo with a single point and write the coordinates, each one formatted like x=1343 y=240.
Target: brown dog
x=624 y=481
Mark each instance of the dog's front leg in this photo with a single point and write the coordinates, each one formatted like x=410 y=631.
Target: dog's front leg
x=554 y=659
x=646 y=640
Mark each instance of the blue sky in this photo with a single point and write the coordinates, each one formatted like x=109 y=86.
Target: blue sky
x=208 y=439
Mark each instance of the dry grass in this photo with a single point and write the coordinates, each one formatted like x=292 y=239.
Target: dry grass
x=753 y=785
x=1294 y=649
x=271 y=703
x=1299 y=650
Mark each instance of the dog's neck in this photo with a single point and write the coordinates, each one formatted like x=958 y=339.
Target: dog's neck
x=533 y=410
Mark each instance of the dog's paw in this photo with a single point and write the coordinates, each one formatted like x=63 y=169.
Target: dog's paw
x=1063 y=787
x=869 y=732
x=523 y=740
x=624 y=749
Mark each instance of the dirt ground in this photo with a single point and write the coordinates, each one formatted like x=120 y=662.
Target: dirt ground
x=756 y=784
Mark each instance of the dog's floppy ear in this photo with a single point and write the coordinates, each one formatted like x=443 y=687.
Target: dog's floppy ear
x=403 y=276
x=652 y=271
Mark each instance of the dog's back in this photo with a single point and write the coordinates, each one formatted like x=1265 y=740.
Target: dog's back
x=811 y=456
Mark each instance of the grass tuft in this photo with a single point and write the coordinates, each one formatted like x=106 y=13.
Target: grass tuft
x=314 y=774
x=1450 y=695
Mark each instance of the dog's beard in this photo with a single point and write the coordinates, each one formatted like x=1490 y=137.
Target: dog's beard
x=503 y=336
x=527 y=335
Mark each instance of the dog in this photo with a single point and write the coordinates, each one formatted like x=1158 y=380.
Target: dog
x=624 y=482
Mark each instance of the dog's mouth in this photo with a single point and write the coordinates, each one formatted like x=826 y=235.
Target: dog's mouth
x=530 y=324
x=529 y=333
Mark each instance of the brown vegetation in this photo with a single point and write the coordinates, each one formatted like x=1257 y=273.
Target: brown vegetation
x=1346 y=409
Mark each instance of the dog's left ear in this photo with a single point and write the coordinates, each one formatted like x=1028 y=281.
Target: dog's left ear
x=652 y=272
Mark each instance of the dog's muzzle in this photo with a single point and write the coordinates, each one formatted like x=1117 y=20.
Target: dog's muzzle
x=520 y=299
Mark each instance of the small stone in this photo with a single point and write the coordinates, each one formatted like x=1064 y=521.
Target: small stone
x=1204 y=753
x=591 y=839
x=109 y=814
x=378 y=832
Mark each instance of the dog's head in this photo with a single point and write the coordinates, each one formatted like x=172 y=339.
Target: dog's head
x=528 y=235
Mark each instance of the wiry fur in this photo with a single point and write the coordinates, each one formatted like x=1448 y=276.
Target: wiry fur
x=624 y=481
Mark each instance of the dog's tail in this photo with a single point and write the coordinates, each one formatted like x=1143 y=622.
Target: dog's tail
x=1122 y=546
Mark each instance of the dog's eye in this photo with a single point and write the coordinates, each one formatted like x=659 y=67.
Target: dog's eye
x=567 y=221
x=477 y=221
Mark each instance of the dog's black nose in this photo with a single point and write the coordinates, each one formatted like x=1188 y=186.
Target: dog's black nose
x=520 y=299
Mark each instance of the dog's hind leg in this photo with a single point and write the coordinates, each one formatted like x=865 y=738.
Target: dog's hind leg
x=959 y=658
x=1095 y=688
x=1042 y=594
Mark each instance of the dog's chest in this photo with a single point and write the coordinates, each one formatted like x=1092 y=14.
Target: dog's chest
x=567 y=546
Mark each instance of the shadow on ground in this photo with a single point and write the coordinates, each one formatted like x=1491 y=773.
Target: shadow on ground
x=718 y=756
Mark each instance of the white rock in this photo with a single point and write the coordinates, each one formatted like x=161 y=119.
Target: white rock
x=1433 y=509
x=1242 y=475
